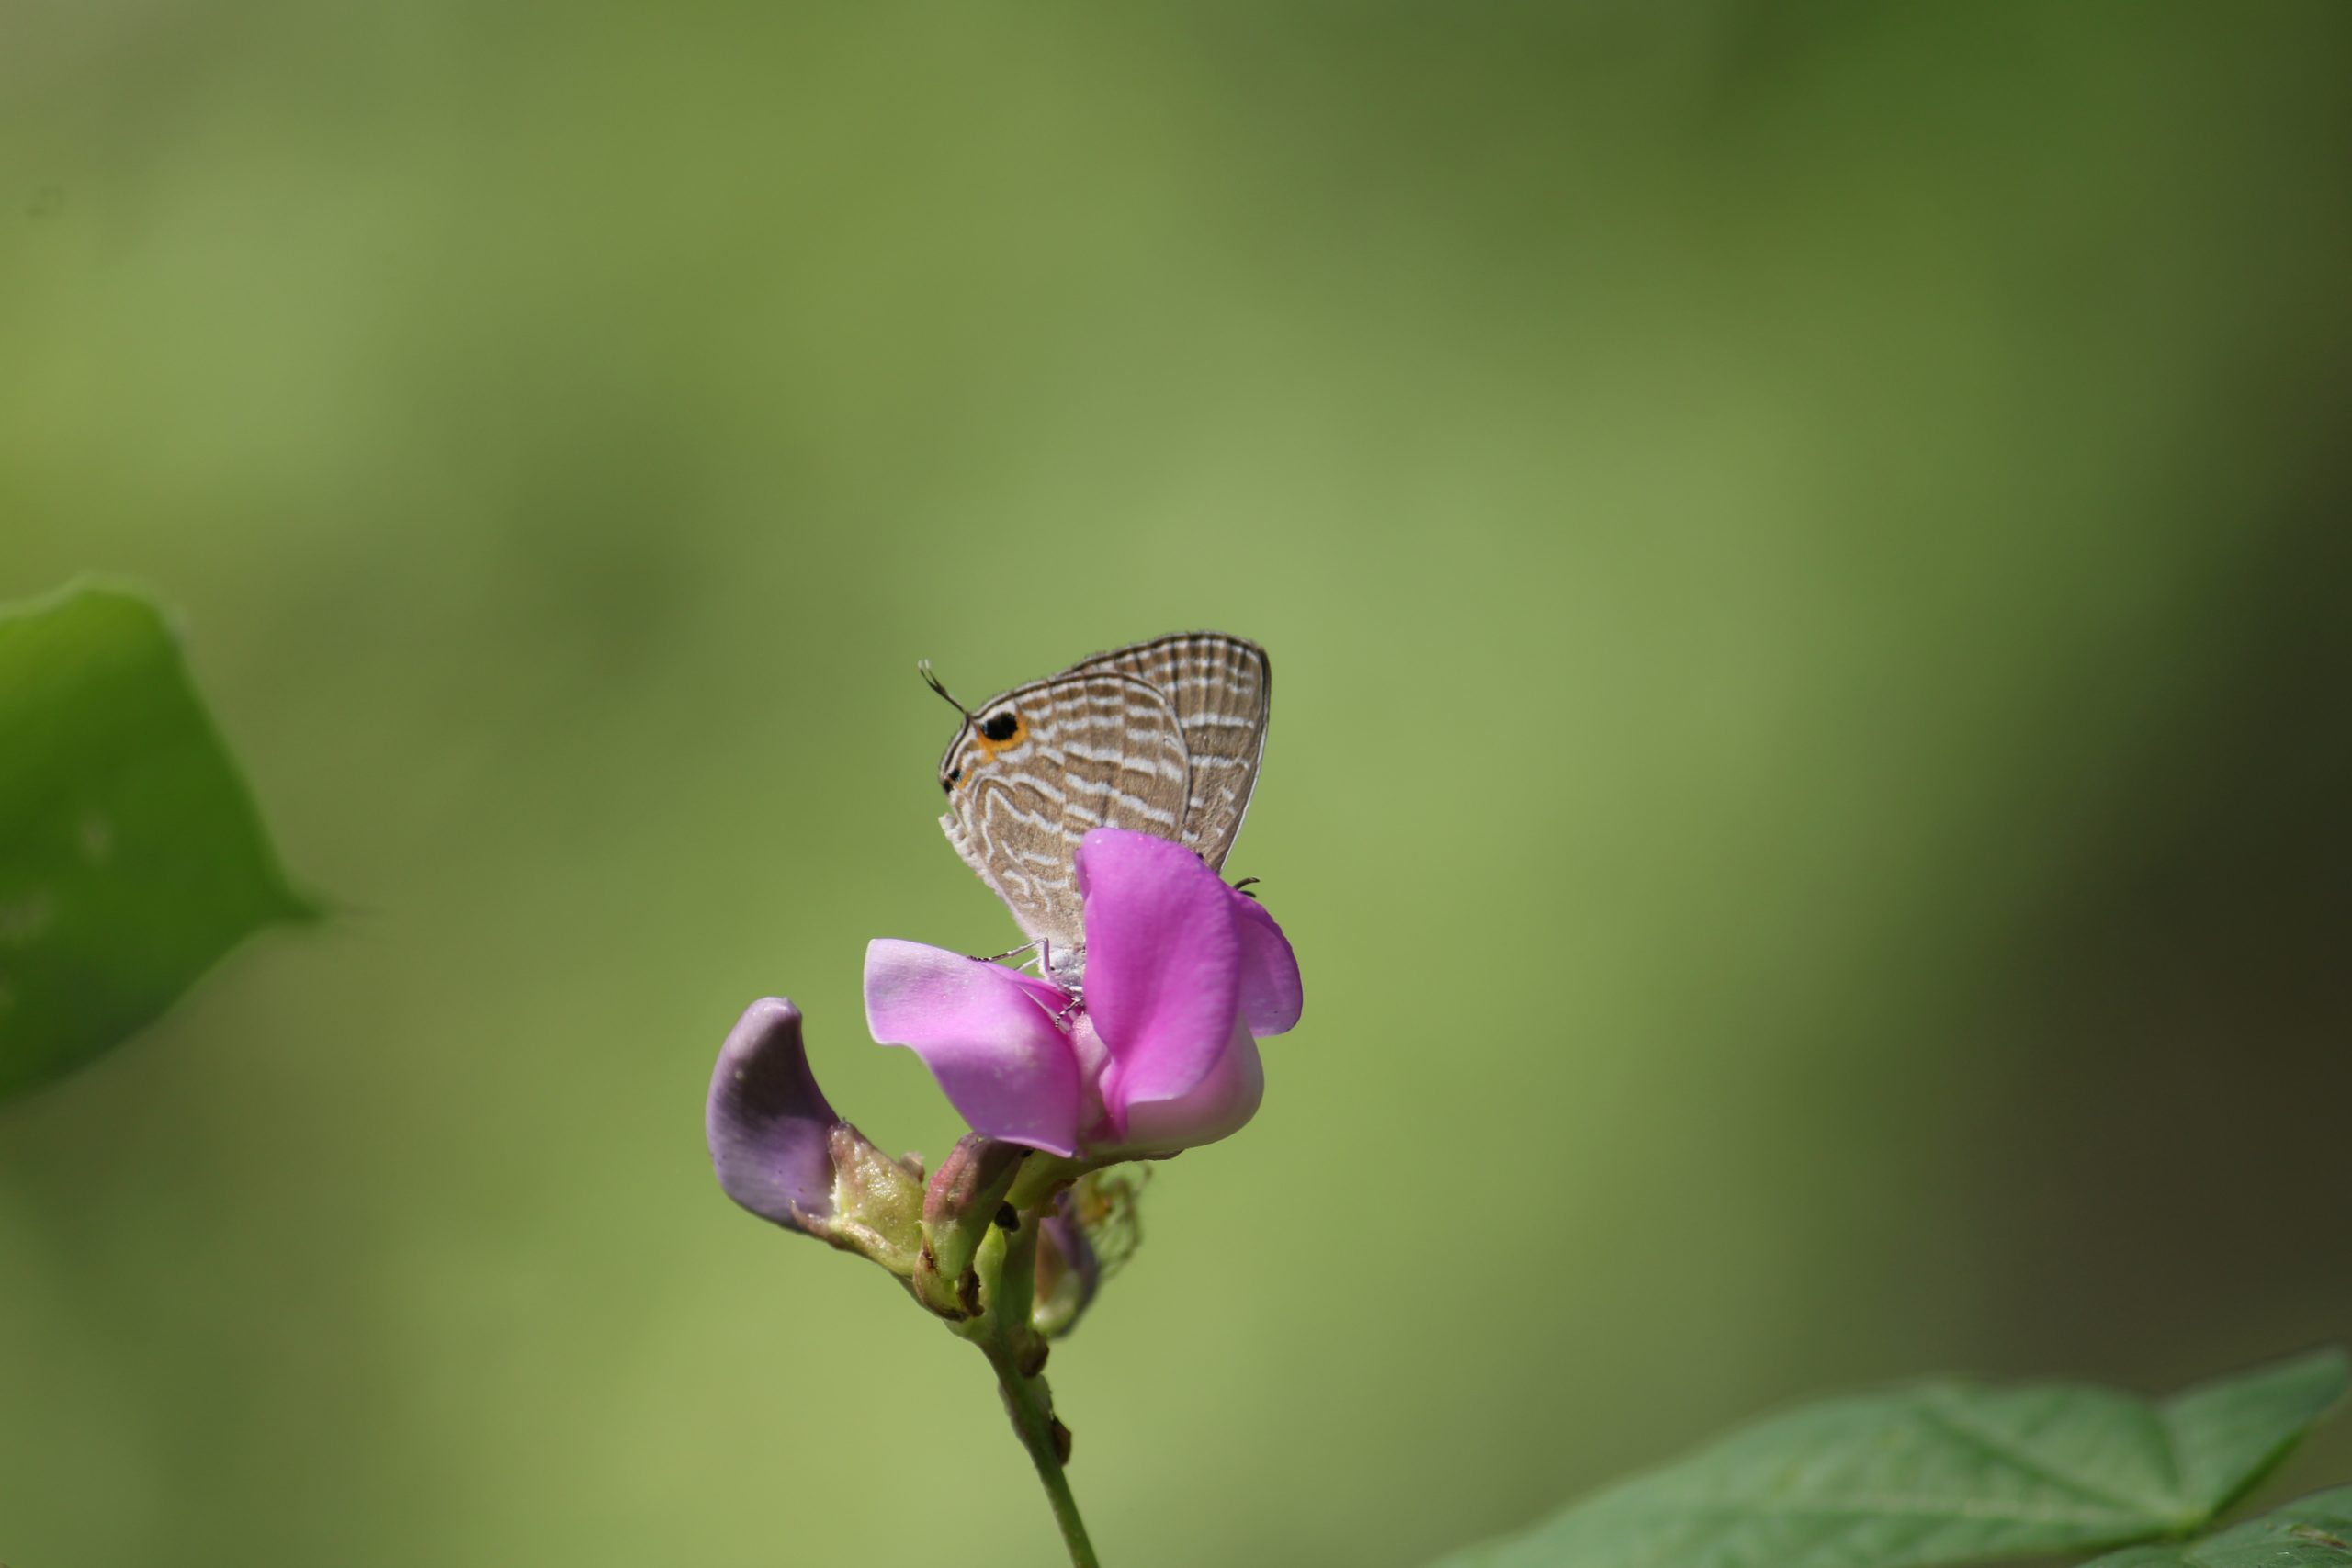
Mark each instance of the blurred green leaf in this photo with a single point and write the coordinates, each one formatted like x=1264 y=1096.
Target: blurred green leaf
x=132 y=857
x=2313 y=1533
x=1942 y=1473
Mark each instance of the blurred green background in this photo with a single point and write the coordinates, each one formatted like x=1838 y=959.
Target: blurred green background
x=1804 y=551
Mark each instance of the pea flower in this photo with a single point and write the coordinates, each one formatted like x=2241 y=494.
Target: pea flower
x=1154 y=1050
x=1183 y=976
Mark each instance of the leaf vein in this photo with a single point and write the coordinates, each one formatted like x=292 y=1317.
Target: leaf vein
x=1939 y=1414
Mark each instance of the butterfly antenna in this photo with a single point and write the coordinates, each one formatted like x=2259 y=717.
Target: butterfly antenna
x=923 y=666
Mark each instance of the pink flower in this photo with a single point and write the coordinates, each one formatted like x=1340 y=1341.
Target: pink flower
x=1183 y=976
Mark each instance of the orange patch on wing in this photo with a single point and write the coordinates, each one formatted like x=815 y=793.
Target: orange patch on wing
x=990 y=748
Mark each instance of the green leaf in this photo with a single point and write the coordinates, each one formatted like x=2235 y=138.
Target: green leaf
x=2313 y=1533
x=1945 y=1472
x=132 y=857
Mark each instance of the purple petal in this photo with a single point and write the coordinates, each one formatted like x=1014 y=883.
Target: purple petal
x=768 y=1123
x=1272 y=994
x=1219 y=1105
x=986 y=1034
x=1068 y=1269
x=1163 y=961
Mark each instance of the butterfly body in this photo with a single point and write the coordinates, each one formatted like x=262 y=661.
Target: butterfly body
x=1161 y=737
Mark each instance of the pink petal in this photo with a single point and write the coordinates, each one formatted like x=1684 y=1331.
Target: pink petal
x=1093 y=1061
x=1163 y=964
x=1219 y=1104
x=986 y=1034
x=1271 y=994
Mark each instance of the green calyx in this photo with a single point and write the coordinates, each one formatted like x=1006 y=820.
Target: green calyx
x=877 y=1204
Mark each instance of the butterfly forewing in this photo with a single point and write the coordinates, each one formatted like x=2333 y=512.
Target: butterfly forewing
x=1033 y=770
x=1219 y=688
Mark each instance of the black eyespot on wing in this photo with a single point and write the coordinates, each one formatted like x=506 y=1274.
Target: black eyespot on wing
x=948 y=783
x=1000 y=727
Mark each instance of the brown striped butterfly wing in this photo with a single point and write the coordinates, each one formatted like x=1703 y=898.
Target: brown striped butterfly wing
x=1032 y=770
x=1219 y=688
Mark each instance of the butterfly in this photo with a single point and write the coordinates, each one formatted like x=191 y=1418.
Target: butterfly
x=1160 y=736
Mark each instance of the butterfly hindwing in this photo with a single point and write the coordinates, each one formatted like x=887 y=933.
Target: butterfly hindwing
x=1220 y=688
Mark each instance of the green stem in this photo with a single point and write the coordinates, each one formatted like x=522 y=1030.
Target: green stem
x=1008 y=1265
x=1032 y=1410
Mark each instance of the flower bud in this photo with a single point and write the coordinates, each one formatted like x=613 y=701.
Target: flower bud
x=1068 y=1269
x=961 y=1202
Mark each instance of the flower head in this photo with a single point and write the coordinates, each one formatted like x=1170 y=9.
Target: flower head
x=1183 y=976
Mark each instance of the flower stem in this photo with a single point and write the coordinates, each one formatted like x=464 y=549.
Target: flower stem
x=1032 y=1410
x=1008 y=1267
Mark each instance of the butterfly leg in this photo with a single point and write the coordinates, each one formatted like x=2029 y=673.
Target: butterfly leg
x=1038 y=946
x=1244 y=886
